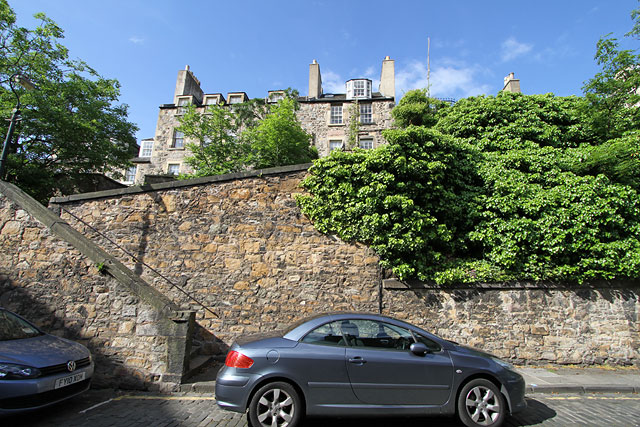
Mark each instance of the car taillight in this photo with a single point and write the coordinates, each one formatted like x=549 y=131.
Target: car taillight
x=238 y=360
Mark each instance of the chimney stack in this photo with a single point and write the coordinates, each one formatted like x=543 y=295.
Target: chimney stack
x=388 y=78
x=315 y=80
x=187 y=85
x=511 y=84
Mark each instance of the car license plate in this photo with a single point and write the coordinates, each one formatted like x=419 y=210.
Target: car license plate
x=63 y=382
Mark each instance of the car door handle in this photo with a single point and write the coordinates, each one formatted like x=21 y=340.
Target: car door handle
x=357 y=360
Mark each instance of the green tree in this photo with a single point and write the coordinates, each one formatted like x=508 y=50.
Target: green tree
x=215 y=146
x=278 y=139
x=254 y=134
x=72 y=125
x=614 y=93
x=416 y=108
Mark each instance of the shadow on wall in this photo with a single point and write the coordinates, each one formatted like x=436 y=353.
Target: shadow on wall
x=114 y=361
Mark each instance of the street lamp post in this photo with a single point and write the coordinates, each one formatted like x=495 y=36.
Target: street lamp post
x=15 y=116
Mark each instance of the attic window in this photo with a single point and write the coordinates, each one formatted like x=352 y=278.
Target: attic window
x=275 y=96
x=359 y=89
x=235 y=99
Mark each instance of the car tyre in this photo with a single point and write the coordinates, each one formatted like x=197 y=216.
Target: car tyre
x=480 y=403
x=275 y=404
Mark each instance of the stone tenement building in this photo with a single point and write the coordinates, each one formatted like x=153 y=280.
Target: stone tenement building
x=325 y=116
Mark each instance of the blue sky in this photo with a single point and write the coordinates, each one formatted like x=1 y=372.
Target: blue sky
x=256 y=46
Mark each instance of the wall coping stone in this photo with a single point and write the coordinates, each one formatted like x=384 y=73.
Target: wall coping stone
x=163 y=186
x=416 y=285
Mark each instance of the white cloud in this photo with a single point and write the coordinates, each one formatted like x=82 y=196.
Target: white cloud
x=511 y=49
x=332 y=82
x=448 y=81
x=136 y=40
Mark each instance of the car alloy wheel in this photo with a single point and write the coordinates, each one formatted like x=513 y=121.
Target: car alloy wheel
x=275 y=405
x=481 y=404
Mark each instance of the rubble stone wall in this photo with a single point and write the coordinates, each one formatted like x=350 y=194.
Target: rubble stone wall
x=47 y=281
x=530 y=323
x=240 y=246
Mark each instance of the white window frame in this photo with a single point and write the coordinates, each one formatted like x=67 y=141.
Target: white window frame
x=275 y=96
x=366 y=113
x=335 y=115
x=146 y=148
x=335 y=144
x=178 y=139
x=183 y=102
x=359 y=89
x=130 y=175
x=215 y=99
x=366 y=143
x=175 y=166
x=233 y=98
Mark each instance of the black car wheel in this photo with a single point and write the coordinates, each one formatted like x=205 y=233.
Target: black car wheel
x=275 y=404
x=480 y=403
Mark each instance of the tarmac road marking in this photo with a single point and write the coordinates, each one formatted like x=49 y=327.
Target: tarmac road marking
x=95 y=406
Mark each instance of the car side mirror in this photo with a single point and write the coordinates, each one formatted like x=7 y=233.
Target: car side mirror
x=419 y=349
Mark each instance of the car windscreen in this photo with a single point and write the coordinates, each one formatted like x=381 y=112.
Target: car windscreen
x=14 y=328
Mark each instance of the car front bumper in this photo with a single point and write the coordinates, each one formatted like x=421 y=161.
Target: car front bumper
x=29 y=394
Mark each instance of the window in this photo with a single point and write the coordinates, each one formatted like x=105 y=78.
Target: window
x=235 y=99
x=130 y=174
x=336 y=115
x=210 y=100
x=359 y=88
x=182 y=104
x=178 y=139
x=275 y=96
x=366 y=143
x=335 y=145
x=173 y=169
x=328 y=334
x=376 y=335
x=146 y=148
x=366 y=115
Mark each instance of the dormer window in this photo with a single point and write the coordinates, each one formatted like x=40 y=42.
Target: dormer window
x=211 y=99
x=182 y=104
x=275 y=96
x=237 y=97
x=359 y=89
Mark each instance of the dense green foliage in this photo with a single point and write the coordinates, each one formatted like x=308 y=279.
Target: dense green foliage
x=250 y=135
x=71 y=125
x=217 y=150
x=507 y=187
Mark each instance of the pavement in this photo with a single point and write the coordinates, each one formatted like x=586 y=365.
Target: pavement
x=545 y=379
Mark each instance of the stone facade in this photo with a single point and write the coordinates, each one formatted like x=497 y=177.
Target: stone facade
x=315 y=119
x=314 y=116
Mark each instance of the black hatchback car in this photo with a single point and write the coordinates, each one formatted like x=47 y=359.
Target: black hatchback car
x=363 y=364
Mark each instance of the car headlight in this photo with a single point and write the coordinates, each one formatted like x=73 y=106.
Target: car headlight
x=504 y=364
x=9 y=371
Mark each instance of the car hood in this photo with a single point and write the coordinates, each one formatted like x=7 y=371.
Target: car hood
x=473 y=351
x=41 y=351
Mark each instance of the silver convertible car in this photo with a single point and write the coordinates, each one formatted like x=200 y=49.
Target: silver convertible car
x=37 y=369
x=365 y=365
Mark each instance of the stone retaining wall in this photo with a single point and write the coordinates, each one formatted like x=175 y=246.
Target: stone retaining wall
x=138 y=339
x=529 y=323
x=240 y=246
